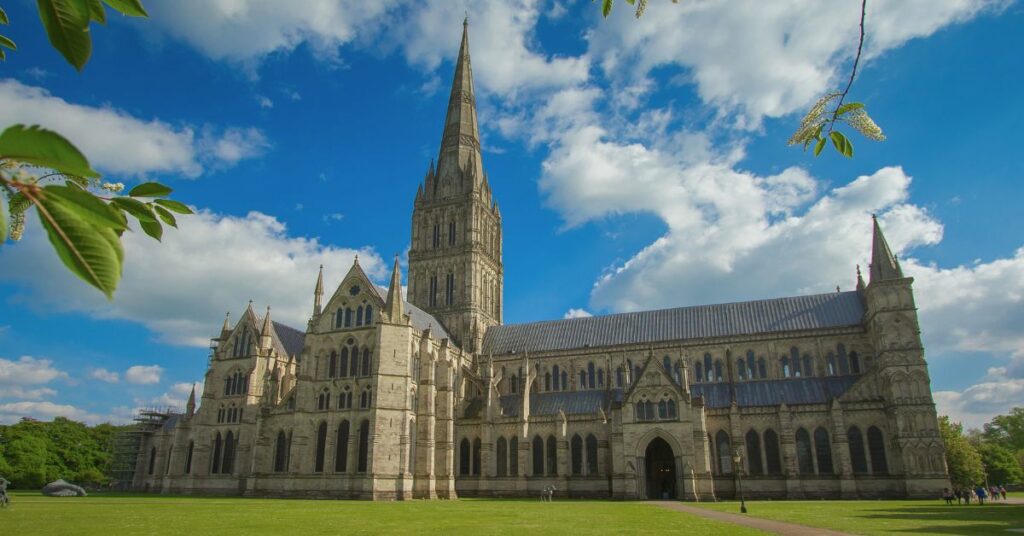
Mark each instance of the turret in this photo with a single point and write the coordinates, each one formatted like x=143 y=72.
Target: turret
x=190 y=406
x=318 y=292
x=394 y=307
x=266 y=339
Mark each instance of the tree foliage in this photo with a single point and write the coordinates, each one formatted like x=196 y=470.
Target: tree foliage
x=962 y=458
x=33 y=453
x=1007 y=430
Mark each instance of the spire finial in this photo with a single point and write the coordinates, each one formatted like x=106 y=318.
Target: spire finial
x=884 y=265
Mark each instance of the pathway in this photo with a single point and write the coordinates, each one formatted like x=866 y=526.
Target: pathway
x=767 y=525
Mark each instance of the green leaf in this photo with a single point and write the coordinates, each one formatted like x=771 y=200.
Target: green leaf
x=40 y=147
x=849 y=106
x=150 y=189
x=175 y=206
x=88 y=207
x=132 y=8
x=606 y=7
x=67 y=25
x=166 y=216
x=819 y=146
x=3 y=17
x=5 y=42
x=842 y=144
x=152 y=228
x=3 y=55
x=96 y=11
x=92 y=253
x=136 y=208
x=3 y=221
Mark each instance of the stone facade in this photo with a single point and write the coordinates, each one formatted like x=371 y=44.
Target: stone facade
x=383 y=398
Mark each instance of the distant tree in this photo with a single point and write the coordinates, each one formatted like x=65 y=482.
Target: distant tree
x=1000 y=464
x=33 y=453
x=1006 y=430
x=962 y=458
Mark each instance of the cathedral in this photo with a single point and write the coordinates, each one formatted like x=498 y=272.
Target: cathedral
x=430 y=395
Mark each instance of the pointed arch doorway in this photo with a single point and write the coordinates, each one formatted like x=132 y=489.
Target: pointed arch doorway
x=660 y=463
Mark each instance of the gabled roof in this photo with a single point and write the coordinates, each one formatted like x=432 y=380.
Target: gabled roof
x=292 y=339
x=792 y=391
x=799 y=313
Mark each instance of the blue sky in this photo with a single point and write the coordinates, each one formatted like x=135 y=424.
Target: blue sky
x=638 y=164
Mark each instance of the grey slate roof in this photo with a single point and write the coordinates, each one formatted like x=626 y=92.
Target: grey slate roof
x=420 y=318
x=291 y=338
x=571 y=402
x=839 y=309
x=793 y=391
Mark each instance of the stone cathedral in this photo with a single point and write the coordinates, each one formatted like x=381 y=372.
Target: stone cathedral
x=430 y=395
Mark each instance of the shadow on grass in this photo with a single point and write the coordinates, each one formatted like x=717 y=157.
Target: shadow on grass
x=958 y=519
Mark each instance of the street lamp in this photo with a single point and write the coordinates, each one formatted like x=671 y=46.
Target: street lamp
x=737 y=460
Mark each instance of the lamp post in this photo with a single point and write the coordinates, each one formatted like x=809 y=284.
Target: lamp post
x=737 y=467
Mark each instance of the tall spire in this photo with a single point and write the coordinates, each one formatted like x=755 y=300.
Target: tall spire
x=318 y=291
x=884 y=265
x=393 y=306
x=190 y=406
x=460 y=143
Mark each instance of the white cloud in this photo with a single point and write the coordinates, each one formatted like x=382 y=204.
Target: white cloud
x=104 y=375
x=143 y=374
x=977 y=404
x=129 y=145
x=28 y=370
x=21 y=393
x=576 y=313
x=13 y=411
x=264 y=101
x=176 y=396
x=180 y=287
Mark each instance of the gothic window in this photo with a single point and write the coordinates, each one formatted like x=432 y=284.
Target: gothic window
x=502 y=461
x=338 y=318
x=552 y=456
x=513 y=456
x=359 y=315
x=280 y=452
x=364 y=445
x=751 y=370
x=830 y=364
x=754 y=466
x=220 y=414
x=667 y=363
x=671 y=409
x=741 y=369
x=762 y=370
x=476 y=457
x=576 y=446
x=600 y=377
x=547 y=381
x=348 y=317
x=365 y=399
x=583 y=380
x=353 y=366
x=823 y=448
x=844 y=360
x=591 y=454
x=794 y=362
x=437 y=236
x=341 y=448
x=723 y=452
x=449 y=289
x=321 y=445
x=368 y=315
x=343 y=366
x=557 y=377
x=855 y=441
x=332 y=364
x=876 y=446
x=323 y=400
x=152 y=459
x=718 y=370
x=215 y=459
x=228 y=465
x=590 y=375
x=618 y=377
x=808 y=367
x=514 y=384
x=771 y=452
x=451 y=233
x=804 y=455
x=784 y=367
x=538 y=456
x=707 y=368
x=366 y=361
x=698 y=369
x=663 y=409
x=188 y=457
x=854 y=363
x=432 y=298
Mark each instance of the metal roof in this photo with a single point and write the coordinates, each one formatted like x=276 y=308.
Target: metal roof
x=792 y=391
x=571 y=402
x=292 y=339
x=838 y=309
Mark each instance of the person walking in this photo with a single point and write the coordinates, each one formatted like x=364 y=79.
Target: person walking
x=947 y=496
x=1002 y=491
x=981 y=493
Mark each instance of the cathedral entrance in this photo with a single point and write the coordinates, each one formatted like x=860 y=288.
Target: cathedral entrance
x=661 y=470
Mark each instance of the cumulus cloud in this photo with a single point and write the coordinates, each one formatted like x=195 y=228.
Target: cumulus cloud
x=20 y=393
x=104 y=375
x=143 y=374
x=42 y=410
x=129 y=145
x=176 y=395
x=977 y=404
x=576 y=313
x=28 y=370
x=180 y=287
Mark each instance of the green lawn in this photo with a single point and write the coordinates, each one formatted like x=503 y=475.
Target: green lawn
x=149 y=514
x=888 y=517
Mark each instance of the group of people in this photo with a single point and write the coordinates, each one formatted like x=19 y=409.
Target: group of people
x=977 y=495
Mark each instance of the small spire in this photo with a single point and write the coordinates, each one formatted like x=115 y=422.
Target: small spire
x=190 y=406
x=860 y=280
x=884 y=265
x=266 y=323
x=227 y=322
x=318 y=291
x=356 y=260
x=394 y=304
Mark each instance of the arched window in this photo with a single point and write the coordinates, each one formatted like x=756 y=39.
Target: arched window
x=823 y=448
x=855 y=440
x=854 y=363
x=844 y=360
x=600 y=377
x=366 y=361
x=771 y=452
x=741 y=369
x=707 y=368
x=808 y=366
x=723 y=452
x=576 y=455
x=804 y=455
x=188 y=457
x=364 y=445
x=513 y=456
x=583 y=380
x=502 y=461
x=538 y=456
x=437 y=236
x=557 y=377
x=830 y=364
x=671 y=409
x=451 y=233
x=784 y=367
x=565 y=380
x=465 y=461
x=552 y=456
x=321 y=446
x=876 y=447
x=359 y=315
x=754 y=466
x=152 y=460
x=215 y=459
x=718 y=370
x=332 y=364
x=348 y=317
x=591 y=455
x=323 y=400
x=667 y=363
x=618 y=377
x=663 y=409
x=228 y=465
x=762 y=369
x=341 y=448
x=280 y=452
x=353 y=368
x=368 y=315
x=338 y=318
x=794 y=362
x=698 y=369
x=476 y=457
x=343 y=365
x=591 y=378
x=751 y=370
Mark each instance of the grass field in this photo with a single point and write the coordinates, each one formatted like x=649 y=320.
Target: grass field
x=888 y=517
x=148 y=514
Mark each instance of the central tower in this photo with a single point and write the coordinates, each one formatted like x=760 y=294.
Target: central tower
x=455 y=269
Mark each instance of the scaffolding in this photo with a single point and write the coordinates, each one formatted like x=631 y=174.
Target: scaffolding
x=128 y=444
